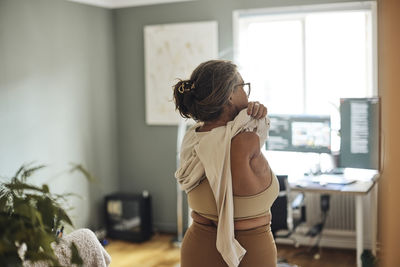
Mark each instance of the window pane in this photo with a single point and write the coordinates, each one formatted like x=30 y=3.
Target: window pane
x=336 y=59
x=270 y=57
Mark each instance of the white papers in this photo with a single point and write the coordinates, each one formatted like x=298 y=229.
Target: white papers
x=359 y=128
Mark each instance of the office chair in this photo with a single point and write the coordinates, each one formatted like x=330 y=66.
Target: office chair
x=287 y=213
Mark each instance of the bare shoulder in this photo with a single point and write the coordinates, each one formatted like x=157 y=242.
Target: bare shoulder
x=245 y=144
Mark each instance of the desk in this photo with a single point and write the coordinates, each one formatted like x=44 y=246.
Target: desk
x=365 y=181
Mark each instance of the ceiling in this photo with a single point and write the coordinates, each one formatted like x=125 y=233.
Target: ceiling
x=124 y=3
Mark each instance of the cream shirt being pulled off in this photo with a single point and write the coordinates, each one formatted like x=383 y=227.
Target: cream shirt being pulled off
x=208 y=156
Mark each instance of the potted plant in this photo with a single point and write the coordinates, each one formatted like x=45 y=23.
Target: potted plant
x=30 y=217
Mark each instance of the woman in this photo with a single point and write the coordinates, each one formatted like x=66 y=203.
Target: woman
x=229 y=184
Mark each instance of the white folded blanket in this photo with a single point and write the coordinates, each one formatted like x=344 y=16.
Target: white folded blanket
x=91 y=251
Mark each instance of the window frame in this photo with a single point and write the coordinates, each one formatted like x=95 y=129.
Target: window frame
x=298 y=12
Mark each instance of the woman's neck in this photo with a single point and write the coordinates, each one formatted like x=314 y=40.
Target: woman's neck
x=221 y=121
x=208 y=126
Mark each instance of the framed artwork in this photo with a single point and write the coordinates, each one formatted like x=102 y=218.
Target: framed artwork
x=172 y=52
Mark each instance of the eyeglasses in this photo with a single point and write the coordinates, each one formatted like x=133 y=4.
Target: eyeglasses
x=246 y=88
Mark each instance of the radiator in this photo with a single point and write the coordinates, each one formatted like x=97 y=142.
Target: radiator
x=341 y=214
x=340 y=226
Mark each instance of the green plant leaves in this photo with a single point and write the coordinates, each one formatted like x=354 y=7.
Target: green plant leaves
x=28 y=172
x=18 y=187
x=63 y=216
x=10 y=259
x=45 y=189
x=47 y=211
x=75 y=257
x=3 y=201
x=81 y=169
x=30 y=215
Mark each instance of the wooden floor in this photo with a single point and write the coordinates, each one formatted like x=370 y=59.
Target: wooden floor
x=328 y=257
x=160 y=252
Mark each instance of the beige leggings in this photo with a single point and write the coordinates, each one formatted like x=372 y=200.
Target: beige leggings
x=199 y=247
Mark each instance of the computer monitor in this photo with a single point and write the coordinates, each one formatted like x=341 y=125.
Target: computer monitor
x=359 y=133
x=299 y=133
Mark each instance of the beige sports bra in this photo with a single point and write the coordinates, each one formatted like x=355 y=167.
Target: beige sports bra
x=202 y=201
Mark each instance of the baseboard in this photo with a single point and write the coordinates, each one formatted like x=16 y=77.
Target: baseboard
x=165 y=227
x=330 y=238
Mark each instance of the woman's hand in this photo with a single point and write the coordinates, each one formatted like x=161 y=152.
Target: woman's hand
x=256 y=110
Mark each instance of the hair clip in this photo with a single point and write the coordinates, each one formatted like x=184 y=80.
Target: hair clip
x=181 y=88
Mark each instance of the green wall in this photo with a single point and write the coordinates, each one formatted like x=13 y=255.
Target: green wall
x=58 y=98
x=147 y=153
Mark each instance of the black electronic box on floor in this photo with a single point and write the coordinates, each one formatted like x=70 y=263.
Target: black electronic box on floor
x=128 y=216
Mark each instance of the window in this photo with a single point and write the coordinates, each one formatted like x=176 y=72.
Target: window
x=302 y=60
